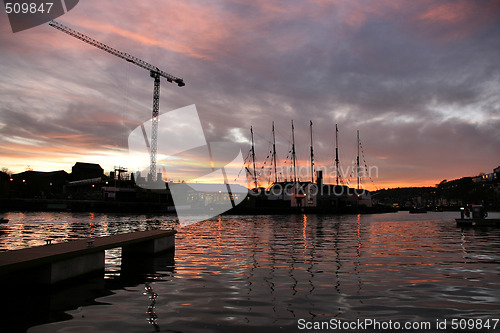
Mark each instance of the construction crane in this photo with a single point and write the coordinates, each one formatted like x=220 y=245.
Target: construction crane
x=154 y=72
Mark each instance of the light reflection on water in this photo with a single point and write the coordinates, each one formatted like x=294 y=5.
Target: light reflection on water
x=268 y=271
x=33 y=228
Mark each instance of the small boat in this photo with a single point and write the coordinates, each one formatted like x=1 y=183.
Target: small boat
x=479 y=218
x=3 y=220
x=478 y=222
x=417 y=210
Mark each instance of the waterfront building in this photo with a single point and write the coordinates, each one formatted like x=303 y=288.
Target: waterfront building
x=83 y=170
x=4 y=185
x=38 y=184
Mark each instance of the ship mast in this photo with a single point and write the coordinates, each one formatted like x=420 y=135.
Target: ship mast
x=337 y=152
x=253 y=159
x=293 y=155
x=357 y=162
x=274 y=156
x=312 y=151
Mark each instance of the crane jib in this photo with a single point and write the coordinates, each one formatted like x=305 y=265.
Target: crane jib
x=155 y=73
x=123 y=55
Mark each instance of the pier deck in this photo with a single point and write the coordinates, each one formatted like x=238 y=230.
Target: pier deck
x=57 y=262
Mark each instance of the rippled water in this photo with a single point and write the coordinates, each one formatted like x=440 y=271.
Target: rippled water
x=264 y=273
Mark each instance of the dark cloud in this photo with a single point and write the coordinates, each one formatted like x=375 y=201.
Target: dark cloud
x=420 y=79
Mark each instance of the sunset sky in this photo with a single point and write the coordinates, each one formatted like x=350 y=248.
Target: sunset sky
x=419 y=79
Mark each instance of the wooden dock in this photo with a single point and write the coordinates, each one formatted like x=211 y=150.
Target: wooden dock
x=54 y=263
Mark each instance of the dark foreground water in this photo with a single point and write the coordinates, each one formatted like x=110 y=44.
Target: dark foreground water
x=274 y=273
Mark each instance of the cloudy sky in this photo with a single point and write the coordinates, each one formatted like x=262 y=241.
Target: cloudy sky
x=419 y=79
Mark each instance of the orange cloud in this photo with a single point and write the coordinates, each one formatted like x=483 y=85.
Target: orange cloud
x=439 y=20
x=192 y=29
x=58 y=154
x=448 y=12
x=458 y=19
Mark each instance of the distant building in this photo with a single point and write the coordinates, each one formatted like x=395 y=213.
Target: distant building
x=38 y=184
x=4 y=185
x=484 y=177
x=407 y=197
x=496 y=171
x=482 y=189
x=81 y=171
x=457 y=191
x=496 y=184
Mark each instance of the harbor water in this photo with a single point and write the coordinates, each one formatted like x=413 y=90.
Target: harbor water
x=272 y=273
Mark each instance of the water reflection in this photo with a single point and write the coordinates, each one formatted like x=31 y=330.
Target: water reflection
x=33 y=228
x=345 y=267
x=267 y=271
x=152 y=316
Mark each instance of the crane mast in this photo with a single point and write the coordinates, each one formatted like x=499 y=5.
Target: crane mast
x=155 y=73
x=312 y=151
